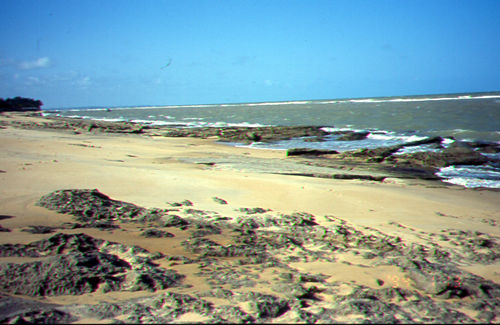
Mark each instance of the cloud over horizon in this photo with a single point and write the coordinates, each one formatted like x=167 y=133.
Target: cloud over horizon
x=43 y=62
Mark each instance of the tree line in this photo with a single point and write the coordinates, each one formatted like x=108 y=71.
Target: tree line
x=20 y=104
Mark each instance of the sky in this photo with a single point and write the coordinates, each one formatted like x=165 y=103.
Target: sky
x=181 y=52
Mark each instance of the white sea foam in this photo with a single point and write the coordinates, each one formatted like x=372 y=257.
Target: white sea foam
x=388 y=136
x=117 y=119
x=396 y=100
x=471 y=176
x=414 y=149
x=334 y=129
x=447 y=141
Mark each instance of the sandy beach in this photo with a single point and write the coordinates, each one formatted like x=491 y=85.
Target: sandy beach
x=326 y=250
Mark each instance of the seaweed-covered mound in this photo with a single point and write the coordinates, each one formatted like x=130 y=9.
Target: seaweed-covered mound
x=90 y=205
x=77 y=263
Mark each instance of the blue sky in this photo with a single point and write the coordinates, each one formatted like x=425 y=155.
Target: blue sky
x=115 y=53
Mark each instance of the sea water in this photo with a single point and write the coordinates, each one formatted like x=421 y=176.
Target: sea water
x=390 y=121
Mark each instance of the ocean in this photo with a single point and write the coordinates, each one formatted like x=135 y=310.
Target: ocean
x=390 y=121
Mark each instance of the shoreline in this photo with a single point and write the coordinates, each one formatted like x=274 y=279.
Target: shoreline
x=309 y=248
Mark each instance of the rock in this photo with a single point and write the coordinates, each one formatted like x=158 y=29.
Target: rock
x=253 y=210
x=315 y=139
x=56 y=244
x=204 y=229
x=361 y=177
x=180 y=204
x=92 y=205
x=173 y=221
x=372 y=155
x=266 y=306
x=48 y=316
x=219 y=200
x=453 y=155
x=432 y=140
x=486 y=147
x=309 y=152
x=253 y=136
x=156 y=233
x=353 y=136
x=69 y=274
x=39 y=230
x=77 y=264
x=248 y=134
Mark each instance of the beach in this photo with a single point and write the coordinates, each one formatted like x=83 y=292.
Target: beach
x=265 y=237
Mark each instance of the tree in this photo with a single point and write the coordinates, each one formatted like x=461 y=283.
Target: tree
x=20 y=104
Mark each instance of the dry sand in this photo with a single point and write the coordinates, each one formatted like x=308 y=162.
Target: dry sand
x=153 y=171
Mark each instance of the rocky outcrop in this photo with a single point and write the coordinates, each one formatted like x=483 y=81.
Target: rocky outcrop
x=455 y=154
x=248 y=134
x=352 y=136
x=156 y=233
x=458 y=153
x=92 y=206
x=309 y=152
x=231 y=256
x=78 y=264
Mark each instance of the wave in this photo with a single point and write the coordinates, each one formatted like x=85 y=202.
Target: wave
x=397 y=100
x=392 y=136
x=471 y=176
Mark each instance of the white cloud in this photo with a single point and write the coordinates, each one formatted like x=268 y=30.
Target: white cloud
x=38 y=63
x=33 y=81
x=83 y=82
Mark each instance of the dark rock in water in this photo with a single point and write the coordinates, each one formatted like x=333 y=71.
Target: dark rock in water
x=432 y=140
x=458 y=153
x=309 y=152
x=92 y=206
x=253 y=136
x=40 y=230
x=353 y=136
x=362 y=177
x=486 y=147
x=248 y=134
x=453 y=155
x=156 y=233
x=315 y=139
x=372 y=155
